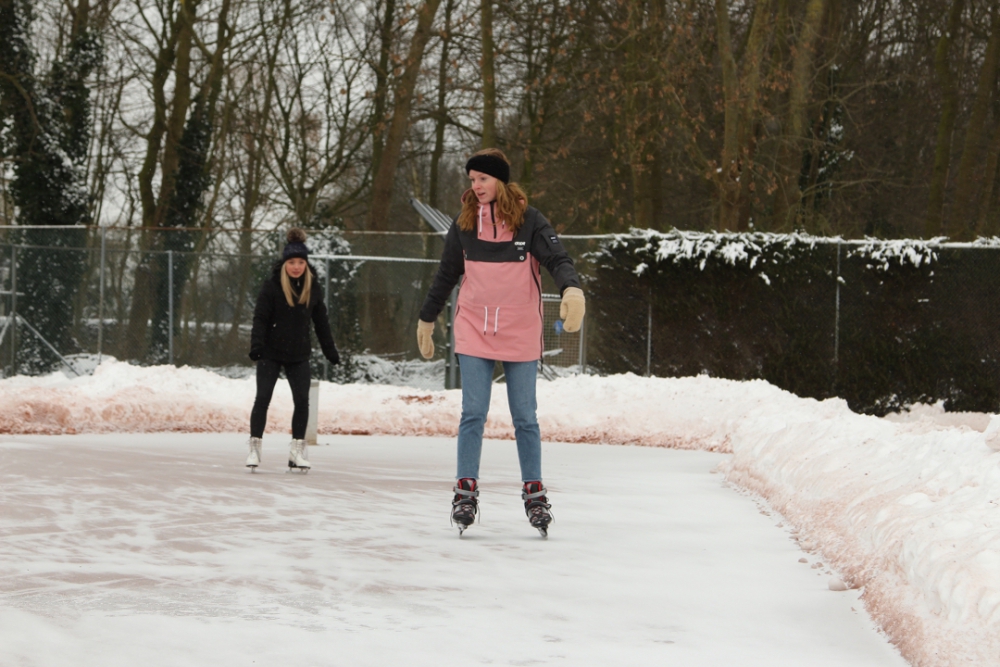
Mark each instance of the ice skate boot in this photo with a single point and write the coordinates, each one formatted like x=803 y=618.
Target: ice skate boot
x=253 y=459
x=297 y=456
x=536 y=506
x=465 y=505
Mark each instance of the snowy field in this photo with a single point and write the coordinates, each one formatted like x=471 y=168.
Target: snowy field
x=161 y=548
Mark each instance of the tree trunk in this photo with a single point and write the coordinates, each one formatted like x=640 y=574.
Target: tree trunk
x=178 y=52
x=789 y=195
x=727 y=175
x=441 y=114
x=488 y=74
x=378 y=214
x=986 y=222
x=946 y=126
x=970 y=174
x=741 y=94
x=383 y=75
x=381 y=304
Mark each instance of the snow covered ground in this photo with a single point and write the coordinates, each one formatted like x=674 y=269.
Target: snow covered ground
x=106 y=537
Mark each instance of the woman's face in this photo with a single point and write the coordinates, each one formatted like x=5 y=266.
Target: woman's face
x=484 y=185
x=295 y=267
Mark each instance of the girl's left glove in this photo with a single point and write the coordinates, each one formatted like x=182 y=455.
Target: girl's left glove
x=572 y=308
x=332 y=356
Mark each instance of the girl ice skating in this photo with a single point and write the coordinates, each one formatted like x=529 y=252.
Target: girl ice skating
x=288 y=301
x=495 y=247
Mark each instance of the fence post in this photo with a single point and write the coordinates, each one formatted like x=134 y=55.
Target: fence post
x=326 y=302
x=13 y=310
x=170 y=306
x=836 y=326
x=836 y=317
x=100 y=298
x=649 y=335
x=312 y=423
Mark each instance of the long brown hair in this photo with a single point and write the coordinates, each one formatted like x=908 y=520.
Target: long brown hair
x=286 y=286
x=511 y=200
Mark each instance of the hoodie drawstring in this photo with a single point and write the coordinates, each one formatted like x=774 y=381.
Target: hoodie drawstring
x=486 y=320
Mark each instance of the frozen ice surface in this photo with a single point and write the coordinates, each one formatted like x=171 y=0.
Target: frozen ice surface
x=162 y=549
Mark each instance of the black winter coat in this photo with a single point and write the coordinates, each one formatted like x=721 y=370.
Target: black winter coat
x=281 y=332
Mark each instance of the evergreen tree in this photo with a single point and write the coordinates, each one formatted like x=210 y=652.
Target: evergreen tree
x=49 y=131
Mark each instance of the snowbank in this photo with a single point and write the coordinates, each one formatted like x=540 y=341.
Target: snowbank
x=908 y=509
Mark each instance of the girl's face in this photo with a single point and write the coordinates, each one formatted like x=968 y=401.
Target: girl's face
x=295 y=267
x=484 y=185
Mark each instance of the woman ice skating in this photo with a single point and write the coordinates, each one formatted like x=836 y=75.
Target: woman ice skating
x=496 y=246
x=288 y=301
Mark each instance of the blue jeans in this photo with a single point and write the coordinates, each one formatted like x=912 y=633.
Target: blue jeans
x=477 y=383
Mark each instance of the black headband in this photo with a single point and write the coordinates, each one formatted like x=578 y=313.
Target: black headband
x=491 y=165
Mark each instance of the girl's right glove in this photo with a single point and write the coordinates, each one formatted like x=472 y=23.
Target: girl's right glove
x=572 y=308
x=425 y=338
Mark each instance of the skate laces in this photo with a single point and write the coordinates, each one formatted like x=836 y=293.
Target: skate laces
x=465 y=504
x=536 y=504
x=466 y=492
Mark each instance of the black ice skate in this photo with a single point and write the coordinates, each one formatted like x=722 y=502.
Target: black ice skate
x=465 y=505
x=537 y=506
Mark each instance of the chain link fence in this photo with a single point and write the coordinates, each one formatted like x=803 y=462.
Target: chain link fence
x=72 y=297
x=828 y=323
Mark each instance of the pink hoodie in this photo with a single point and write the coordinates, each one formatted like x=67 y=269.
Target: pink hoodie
x=499 y=313
x=499 y=310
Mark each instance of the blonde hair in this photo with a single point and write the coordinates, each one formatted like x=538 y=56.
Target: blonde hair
x=286 y=286
x=511 y=200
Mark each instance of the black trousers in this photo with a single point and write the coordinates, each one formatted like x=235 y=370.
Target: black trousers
x=298 y=379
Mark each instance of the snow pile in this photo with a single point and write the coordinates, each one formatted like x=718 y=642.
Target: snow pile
x=908 y=509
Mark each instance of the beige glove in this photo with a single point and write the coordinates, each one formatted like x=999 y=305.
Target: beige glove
x=425 y=338
x=571 y=309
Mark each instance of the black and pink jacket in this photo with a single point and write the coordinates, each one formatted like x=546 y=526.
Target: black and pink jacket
x=499 y=312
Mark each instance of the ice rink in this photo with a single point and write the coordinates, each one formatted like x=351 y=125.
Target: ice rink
x=162 y=549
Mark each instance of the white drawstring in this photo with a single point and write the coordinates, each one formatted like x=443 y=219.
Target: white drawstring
x=481 y=223
x=486 y=320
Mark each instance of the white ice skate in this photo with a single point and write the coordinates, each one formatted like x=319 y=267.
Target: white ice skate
x=298 y=457
x=253 y=459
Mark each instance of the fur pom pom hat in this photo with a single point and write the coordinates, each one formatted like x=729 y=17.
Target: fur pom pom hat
x=296 y=246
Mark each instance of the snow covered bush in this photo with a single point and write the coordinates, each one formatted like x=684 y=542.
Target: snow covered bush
x=882 y=324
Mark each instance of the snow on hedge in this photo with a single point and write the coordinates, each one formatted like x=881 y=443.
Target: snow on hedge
x=752 y=248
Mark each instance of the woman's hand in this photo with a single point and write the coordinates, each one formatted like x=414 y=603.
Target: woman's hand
x=256 y=354
x=572 y=309
x=425 y=338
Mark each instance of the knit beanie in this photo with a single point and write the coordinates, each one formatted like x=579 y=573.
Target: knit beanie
x=296 y=246
x=492 y=165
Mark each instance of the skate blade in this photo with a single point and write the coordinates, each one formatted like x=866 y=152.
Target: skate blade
x=253 y=469
x=543 y=531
